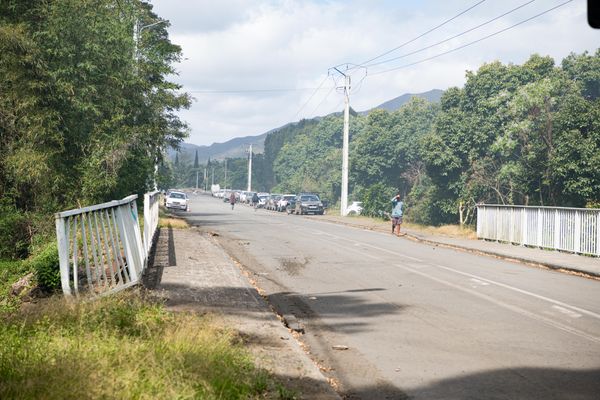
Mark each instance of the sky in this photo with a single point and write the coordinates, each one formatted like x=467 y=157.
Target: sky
x=252 y=66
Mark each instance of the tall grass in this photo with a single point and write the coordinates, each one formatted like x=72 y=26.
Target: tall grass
x=123 y=347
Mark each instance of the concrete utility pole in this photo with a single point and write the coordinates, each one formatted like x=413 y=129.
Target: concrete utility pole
x=344 y=199
x=250 y=168
x=225 y=173
x=137 y=31
x=197 y=179
x=205 y=179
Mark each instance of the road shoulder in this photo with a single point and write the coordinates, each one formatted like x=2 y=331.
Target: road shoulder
x=193 y=273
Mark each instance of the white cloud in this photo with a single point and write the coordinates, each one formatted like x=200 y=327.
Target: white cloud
x=240 y=45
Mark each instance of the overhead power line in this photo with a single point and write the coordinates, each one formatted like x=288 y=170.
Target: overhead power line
x=452 y=37
x=423 y=34
x=311 y=96
x=473 y=42
x=253 y=90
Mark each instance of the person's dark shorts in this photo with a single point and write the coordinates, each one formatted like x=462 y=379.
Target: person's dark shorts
x=396 y=220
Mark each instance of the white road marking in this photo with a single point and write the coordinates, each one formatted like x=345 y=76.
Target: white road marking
x=480 y=278
x=525 y=292
x=507 y=306
x=566 y=311
x=477 y=282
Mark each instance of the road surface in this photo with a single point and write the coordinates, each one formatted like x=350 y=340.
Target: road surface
x=391 y=318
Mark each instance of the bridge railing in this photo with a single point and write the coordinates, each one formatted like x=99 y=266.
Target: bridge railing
x=101 y=249
x=575 y=230
x=151 y=203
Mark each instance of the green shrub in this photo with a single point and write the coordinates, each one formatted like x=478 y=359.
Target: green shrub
x=377 y=200
x=14 y=237
x=47 y=268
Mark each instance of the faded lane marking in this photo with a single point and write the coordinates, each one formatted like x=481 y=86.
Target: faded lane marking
x=507 y=306
x=480 y=278
x=567 y=312
x=525 y=292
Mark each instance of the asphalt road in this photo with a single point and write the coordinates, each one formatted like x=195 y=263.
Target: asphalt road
x=418 y=321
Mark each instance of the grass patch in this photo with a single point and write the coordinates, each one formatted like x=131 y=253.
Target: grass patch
x=176 y=223
x=124 y=347
x=168 y=220
x=455 y=231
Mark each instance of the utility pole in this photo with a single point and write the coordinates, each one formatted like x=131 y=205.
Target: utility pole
x=137 y=32
x=205 y=179
x=250 y=168
x=344 y=199
x=225 y=173
x=212 y=181
x=197 y=179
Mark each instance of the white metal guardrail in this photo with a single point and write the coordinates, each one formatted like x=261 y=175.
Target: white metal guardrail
x=151 y=203
x=100 y=247
x=575 y=230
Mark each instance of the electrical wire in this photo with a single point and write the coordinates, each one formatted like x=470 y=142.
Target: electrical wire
x=253 y=90
x=452 y=37
x=310 y=98
x=473 y=42
x=325 y=98
x=423 y=34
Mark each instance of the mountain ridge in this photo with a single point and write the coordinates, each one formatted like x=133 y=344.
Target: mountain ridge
x=237 y=147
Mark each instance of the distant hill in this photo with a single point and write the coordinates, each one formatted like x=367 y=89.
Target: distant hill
x=432 y=96
x=237 y=147
x=218 y=151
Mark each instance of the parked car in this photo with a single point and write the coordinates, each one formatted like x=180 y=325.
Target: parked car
x=272 y=203
x=290 y=208
x=178 y=200
x=355 y=208
x=263 y=198
x=308 y=203
x=284 y=200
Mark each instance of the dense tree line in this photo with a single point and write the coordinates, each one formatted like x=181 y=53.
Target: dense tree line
x=85 y=111
x=514 y=134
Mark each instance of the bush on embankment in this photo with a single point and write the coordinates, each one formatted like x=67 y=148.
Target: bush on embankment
x=124 y=346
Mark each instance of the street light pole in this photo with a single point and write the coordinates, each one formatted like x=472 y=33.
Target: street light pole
x=137 y=31
x=250 y=168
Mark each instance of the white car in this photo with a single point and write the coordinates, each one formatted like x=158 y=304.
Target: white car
x=355 y=208
x=178 y=200
x=284 y=200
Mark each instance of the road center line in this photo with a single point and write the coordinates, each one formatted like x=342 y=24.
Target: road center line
x=503 y=285
x=507 y=306
x=525 y=292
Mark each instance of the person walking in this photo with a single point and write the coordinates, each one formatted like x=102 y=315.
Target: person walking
x=232 y=199
x=255 y=201
x=397 y=212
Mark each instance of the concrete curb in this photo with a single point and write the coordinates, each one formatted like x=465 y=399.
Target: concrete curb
x=525 y=260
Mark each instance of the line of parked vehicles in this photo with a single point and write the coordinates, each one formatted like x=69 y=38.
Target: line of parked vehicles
x=301 y=203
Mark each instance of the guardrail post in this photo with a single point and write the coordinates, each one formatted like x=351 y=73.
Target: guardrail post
x=523 y=226
x=598 y=233
x=127 y=243
x=63 y=254
x=539 y=228
x=556 y=232
x=147 y=226
x=577 y=238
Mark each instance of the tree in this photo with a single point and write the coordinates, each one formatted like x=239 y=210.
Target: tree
x=81 y=119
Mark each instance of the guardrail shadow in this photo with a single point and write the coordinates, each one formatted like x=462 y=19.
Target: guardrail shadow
x=161 y=255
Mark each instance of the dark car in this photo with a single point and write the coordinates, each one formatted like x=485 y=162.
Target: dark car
x=308 y=203
x=290 y=208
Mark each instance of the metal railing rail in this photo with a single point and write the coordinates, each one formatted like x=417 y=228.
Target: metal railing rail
x=575 y=230
x=100 y=247
x=151 y=203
